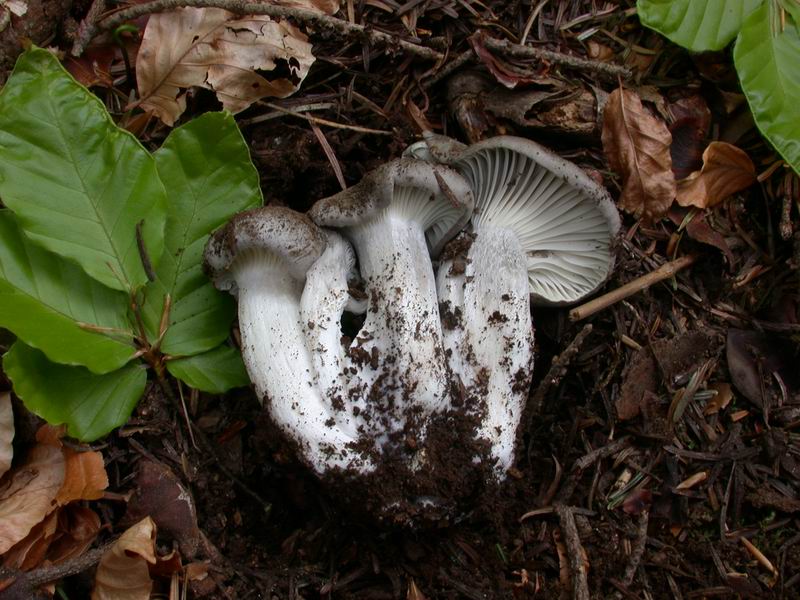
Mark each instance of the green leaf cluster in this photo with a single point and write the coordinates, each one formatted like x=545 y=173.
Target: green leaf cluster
x=766 y=54
x=89 y=211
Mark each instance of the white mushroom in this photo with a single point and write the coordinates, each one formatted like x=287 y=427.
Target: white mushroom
x=541 y=226
x=262 y=256
x=325 y=298
x=392 y=217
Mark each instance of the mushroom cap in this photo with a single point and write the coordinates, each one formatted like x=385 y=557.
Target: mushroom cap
x=435 y=195
x=436 y=148
x=289 y=235
x=566 y=222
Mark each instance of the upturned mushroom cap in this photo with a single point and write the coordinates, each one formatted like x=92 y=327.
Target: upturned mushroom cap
x=289 y=235
x=434 y=195
x=566 y=222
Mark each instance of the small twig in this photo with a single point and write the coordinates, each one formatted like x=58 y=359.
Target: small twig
x=329 y=153
x=26 y=584
x=325 y=122
x=609 y=70
x=575 y=553
x=303 y=15
x=586 y=461
x=637 y=550
x=186 y=416
x=87 y=27
x=449 y=68
x=665 y=271
x=558 y=369
x=278 y=114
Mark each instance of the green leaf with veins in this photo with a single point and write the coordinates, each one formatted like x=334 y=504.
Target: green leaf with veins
x=44 y=299
x=698 y=25
x=90 y=405
x=215 y=372
x=206 y=167
x=767 y=58
x=78 y=183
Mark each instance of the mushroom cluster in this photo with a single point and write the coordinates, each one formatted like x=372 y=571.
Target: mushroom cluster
x=420 y=407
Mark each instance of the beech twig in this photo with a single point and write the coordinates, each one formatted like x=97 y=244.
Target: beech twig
x=304 y=15
x=637 y=550
x=575 y=553
x=558 y=369
x=665 y=271
x=376 y=38
x=609 y=70
x=26 y=584
x=586 y=461
x=87 y=27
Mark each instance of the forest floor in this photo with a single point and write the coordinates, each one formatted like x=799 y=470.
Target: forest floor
x=663 y=448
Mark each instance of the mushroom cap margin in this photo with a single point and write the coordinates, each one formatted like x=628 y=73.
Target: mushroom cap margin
x=375 y=192
x=285 y=233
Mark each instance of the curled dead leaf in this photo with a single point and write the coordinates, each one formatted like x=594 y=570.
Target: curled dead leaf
x=414 y=592
x=698 y=228
x=6 y=432
x=720 y=400
x=30 y=551
x=220 y=51
x=30 y=494
x=690 y=126
x=726 y=170
x=637 y=146
x=504 y=71
x=123 y=572
x=85 y=477
x=78 y=527
x=65 y=533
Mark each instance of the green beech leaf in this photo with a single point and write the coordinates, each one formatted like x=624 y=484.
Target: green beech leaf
x=216 y=371
x=44 y=299
x=206 y=167
x=78 y=183
x=768 y=63
x=90 y=405
x=698 y=25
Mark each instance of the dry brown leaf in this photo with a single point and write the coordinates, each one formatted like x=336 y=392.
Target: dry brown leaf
x=637 y=147
x=327 y=6
x=197 y=571
x=50 y=435
x=414 y=592
x=721 y=400
x=30 y=551
x=215 y=49
x=85 y=477
x=78 y=527
x=30 y=494
x=64 y=533
x=726 y=170
x=6 y=432
x=123 y=573
x=690 y=126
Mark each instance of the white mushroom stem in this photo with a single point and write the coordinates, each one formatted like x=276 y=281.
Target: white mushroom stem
x=279 y=363
x=402 y=330
x=325 y=297
x=492 y=347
